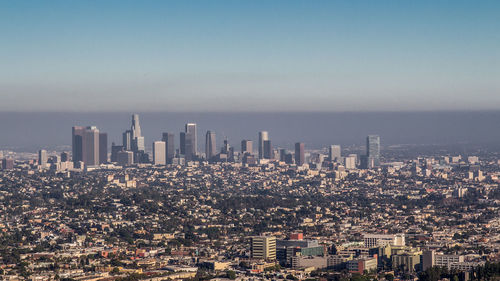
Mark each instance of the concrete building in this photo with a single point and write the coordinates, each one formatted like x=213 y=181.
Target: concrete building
x=42 y=157
x=263 y=247
x=299 y=154
x=103 y=148
x=246 y=147
x=362 y=264
x=263 y=136
x=168 y=138
x=159 y=154
x=125 y=158
x=334 y=153
x=377 y=240
x=7 y=164
x=210 y=145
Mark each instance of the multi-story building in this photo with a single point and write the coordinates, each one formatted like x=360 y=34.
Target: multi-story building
x=168 y=138
x=377 y=240
x=246 y=147
x=263 y=247
x=159 y=153
x=362 y=264
x=42 y=157
x=263 y=136
x=334 y=154
x=210 y=146
x=299 y=153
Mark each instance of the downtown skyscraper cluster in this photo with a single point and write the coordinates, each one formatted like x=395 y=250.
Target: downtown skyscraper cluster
x=90 y=148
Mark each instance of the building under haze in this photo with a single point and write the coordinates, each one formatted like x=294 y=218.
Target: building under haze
x=7 y=164
x=125 y=158
x=42 y=157
x=137 y=140
x=191 y=129
x=168 y=138
x=103 y=148
x=373 y=151
x=210 y=148
x=159 y=155
x=299 y=153
x=334 y=153
x=246 y=147
x=188 y=142
x=85 y=142
x=267 y=150
x=263 y=136
x=133 y=140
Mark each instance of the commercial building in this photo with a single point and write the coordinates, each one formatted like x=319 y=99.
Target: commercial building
x=263 y=136
x=168 y=138
x=263 y=247
x=210 y=145
x=159 y=153
x=372 y=151
x=42 y=157
x=299 y=153
x=334 y=153
x=246 y=147
x=125 y=158
x=360 y=265
x=377 y=240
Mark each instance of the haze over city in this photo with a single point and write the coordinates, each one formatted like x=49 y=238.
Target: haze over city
x=233 y=56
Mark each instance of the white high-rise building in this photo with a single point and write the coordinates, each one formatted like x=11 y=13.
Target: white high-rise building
x=263 y=136
x=159 y=153
x=334 y=153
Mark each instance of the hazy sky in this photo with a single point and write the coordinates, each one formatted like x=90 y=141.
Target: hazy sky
x=249 y=55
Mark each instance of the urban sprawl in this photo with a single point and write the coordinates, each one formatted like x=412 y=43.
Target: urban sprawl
x=174 y=213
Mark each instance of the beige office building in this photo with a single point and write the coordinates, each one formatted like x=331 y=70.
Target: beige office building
x=264 y=247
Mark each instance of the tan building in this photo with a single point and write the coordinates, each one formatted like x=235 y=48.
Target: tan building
x=264 y=247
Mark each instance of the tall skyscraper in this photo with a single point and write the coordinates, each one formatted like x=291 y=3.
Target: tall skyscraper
x=135 y=141
x=267 y=150
x=188 y=147
x=77 y=143
x=91 y=146
x=263 y=136
x=334 y=154
x=168 y=138
x=85 y=141
x=190 y=129
x=127 y=140
x=42 y=157
x=136 y=127
x=299 y=153
x=103 y=148
x=182 y=143
x=159 y=155
x=246 y=147
x=373 y=151
x=210 y=147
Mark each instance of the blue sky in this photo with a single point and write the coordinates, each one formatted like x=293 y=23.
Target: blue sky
x=249 y=55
